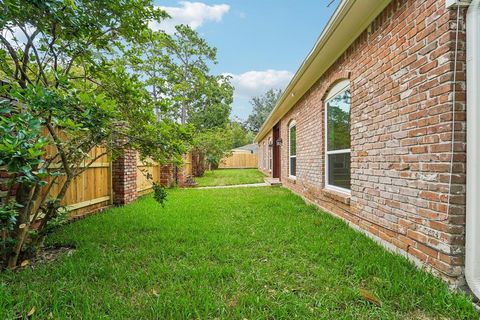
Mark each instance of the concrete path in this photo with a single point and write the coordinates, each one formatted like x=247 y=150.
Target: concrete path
x=262 y=184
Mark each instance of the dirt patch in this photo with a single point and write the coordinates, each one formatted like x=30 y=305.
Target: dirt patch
x=50 y=254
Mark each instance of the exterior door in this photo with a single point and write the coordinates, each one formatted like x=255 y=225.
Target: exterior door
x=276 y=152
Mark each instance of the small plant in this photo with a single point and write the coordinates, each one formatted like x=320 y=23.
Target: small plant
x=8 y=219
x=159 y=193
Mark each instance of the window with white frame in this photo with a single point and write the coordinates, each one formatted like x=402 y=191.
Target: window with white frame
x=337 y=135
x=292 y=149
x=264 y=156
x=270 y=158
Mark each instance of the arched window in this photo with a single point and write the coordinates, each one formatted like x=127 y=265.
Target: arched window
x=337 y=136
x=292 y=150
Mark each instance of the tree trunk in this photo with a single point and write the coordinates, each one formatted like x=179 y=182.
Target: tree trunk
x=21 y=227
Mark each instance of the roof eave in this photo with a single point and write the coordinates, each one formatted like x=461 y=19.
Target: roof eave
x=339 y=33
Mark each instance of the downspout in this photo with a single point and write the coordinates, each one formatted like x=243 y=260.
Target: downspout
x=472 y=243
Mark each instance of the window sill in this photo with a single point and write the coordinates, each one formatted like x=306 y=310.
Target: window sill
x=337 y=196
x=292 y=179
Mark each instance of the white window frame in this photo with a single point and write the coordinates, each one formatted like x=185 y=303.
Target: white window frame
x=335 y=91
x=264 y=156
x=290 y=126
x=270 y=154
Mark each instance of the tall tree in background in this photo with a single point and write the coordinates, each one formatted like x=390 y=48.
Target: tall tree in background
x=240 y=134
x=67 y=91
x=175 y=69
x=262 y=106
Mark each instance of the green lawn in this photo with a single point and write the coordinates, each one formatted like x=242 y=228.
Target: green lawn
x=246 y=253
x=225 y=177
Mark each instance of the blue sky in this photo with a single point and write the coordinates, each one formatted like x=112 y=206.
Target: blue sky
x=260 y=43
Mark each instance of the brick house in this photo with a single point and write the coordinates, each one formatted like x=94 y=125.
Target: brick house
x=364 y=129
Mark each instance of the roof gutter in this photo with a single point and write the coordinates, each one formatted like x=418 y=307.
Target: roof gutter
x=350 y=19
x=472 y=243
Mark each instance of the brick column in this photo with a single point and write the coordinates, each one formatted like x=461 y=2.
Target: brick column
x=181 y=177
x=124 y=173
x=124 y=177
x=166 y=175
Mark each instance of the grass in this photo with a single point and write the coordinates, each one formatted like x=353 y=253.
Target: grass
x=225 y=177
x=247 y=253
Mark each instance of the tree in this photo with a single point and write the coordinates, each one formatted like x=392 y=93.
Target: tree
x=214 y=144
x=67 y=91
x=262 y=106
x=240 y=135
x=175 y=68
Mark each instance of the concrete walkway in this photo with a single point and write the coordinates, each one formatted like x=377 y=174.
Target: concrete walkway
x=262 y=184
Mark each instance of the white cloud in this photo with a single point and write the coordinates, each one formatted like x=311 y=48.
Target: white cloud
x=194 y=14
x=17 y=37
x=255 y=83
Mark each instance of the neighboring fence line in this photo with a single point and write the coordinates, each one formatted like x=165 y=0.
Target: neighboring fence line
x=239 y=160
x=94 y=188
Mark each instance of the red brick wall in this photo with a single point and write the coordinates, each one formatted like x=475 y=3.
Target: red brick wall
x=401 y=80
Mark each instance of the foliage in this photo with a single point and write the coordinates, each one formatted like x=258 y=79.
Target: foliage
x=240 y=134
x=262 y=106
x=66 y=91
x=176 y=70
x=159 y=193
x=214 y=144
x=217 y=143
x=237 y=253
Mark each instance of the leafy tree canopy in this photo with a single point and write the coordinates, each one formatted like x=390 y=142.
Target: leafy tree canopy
x=240 y=134
x=214 y=144
x=176 y=70
x=262 y=106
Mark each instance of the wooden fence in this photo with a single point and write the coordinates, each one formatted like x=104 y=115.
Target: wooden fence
x=145 y=169
x=239 y=160
x=92 y=189
x=187 y=164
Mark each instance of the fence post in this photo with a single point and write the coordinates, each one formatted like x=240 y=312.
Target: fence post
x=124 y=172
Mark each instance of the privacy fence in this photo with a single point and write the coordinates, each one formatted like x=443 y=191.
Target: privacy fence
x=239 y=160
x=122 y=180
x=113 y=182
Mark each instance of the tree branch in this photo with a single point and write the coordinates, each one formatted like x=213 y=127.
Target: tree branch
x=41 y=73
x=26 y=51
x=61 y=151
x=92 y=161
x=15 y=59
